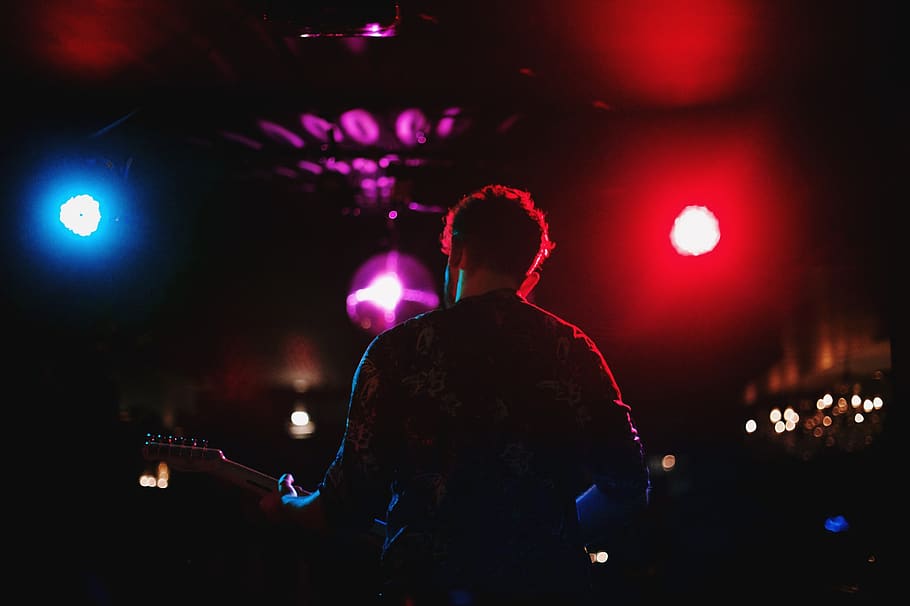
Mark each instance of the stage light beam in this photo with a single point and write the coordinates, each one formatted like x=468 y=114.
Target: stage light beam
x=81 y=215
x=695 y=231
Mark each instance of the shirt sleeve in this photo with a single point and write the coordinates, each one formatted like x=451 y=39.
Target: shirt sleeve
x=610 y=442
x=356 y=483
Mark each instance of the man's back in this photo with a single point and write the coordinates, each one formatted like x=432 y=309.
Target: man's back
x=471 y=431
x=487 y=420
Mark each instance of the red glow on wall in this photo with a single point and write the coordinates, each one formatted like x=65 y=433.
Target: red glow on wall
x=94 y=38
x=302 y=363
x=238 y=372
x=667 y=52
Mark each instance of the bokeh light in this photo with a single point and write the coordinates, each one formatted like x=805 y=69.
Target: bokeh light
x=389 y=288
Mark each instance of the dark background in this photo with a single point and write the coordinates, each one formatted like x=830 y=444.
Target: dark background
x=786 y=116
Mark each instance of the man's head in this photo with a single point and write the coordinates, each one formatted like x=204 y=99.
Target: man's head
x=497 y=230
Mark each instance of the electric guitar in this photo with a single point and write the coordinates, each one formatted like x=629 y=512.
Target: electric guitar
x=192 y=455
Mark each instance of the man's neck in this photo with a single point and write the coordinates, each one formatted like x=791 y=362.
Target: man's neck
x=482 y=281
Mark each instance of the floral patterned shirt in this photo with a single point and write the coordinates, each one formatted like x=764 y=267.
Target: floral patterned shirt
x=470 y=433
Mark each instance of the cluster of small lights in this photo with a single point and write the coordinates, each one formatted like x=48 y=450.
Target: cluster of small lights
x=159 y=479
x=847 y=422
x=784 y=421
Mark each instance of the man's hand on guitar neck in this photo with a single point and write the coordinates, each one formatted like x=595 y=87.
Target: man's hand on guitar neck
x=286 y=485
x=289 y=504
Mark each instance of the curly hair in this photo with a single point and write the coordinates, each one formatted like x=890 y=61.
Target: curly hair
x=502 y=227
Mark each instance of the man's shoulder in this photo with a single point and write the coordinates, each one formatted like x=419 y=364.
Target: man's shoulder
x=557 y=321
x=412 y=325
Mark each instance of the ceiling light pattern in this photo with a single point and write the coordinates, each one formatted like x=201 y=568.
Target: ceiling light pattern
x=362 y=160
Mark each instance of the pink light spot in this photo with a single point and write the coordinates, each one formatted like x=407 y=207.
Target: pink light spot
x=365 y=165
x=311 y=167
x=286 y=172
x=280 y=133
x=338 y=166
x=242 y=139
x=410 y=126
x=361 y=126
x=319 y=127
x=446 y=124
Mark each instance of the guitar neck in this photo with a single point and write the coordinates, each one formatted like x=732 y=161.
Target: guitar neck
x=189 y=456
x=249 y=478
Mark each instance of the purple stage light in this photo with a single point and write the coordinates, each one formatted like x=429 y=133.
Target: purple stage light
x=389 y=288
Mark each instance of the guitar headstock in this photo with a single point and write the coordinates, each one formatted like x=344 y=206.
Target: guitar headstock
x=182 y=454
